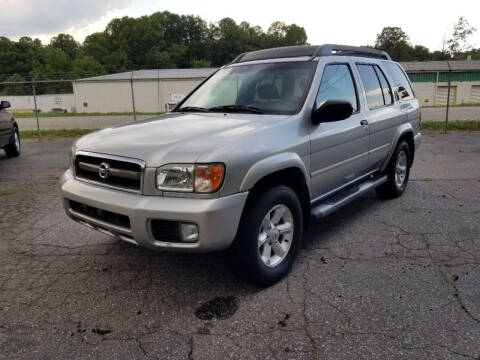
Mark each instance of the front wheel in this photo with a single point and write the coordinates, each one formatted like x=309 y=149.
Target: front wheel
x=269 y=236
x=398 y=172
x=13 y=147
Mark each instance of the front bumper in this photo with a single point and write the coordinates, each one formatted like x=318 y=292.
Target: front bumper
x=217 y=219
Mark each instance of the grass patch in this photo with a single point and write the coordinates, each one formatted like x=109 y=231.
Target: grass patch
x=74 y=114
x=469 y=125
x=29 y=134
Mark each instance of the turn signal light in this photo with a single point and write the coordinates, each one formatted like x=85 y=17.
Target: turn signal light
x=208 y=178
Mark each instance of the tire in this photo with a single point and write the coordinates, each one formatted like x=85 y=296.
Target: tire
x=14 y=147
x=398 y=172
x=265 y=219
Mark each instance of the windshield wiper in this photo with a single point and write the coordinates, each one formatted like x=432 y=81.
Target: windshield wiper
x=237 y=108
x=192 y=109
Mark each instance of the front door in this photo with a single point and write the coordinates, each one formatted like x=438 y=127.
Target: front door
x=339 y=150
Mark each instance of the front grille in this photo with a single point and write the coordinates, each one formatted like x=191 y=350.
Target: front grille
x=112 y=171
x=101 y=215
x=165 y=230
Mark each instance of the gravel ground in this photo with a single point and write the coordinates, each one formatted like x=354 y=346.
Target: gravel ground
x=396 y=279
x=98 y=122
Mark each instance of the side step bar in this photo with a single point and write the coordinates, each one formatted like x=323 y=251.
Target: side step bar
x=336 y=201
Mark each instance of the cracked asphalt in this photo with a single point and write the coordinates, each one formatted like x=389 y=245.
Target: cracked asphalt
x=397 y=279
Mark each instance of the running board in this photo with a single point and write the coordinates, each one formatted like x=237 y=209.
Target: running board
x=336 y=201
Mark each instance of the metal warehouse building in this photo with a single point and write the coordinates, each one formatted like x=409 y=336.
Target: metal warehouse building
x=430 y=81
x=153 y=90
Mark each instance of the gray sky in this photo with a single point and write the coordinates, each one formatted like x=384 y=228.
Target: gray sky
x=344 y=22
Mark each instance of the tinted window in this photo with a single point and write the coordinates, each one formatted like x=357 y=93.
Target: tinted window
x=371 y=86
x=399 y=79
x=387 y=92
x=337 y=84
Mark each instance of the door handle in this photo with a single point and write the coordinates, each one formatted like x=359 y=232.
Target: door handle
x=364 y=122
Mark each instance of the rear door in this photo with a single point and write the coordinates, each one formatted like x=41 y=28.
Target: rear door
x=339 y=149
x=382 y=114
x=403 y=91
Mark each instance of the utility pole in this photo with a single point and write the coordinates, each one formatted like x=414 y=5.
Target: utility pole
x=133 y=98
x=36 y=109
x=448 y=94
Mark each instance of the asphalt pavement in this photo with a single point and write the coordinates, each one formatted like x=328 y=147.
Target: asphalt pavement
x=397 y=279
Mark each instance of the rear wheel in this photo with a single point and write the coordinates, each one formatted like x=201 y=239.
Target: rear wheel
x=13 y=148
x=398 y=172
x=269 y=236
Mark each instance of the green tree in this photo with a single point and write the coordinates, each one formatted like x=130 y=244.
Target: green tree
x=86 y=66
x=201 y=63
x=396 y=43
x=116 y=61
x=16 y=89
x=66 y=43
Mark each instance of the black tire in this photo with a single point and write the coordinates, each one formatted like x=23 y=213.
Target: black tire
x=392 y=188
x=12 y=149
x=244 y=254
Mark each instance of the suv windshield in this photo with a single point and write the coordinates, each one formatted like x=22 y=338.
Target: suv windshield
x=269 y=88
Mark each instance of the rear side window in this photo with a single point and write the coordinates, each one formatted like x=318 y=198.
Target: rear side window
x=399 y=80
x=371 y=85
x=386 y=90
x=337 y=84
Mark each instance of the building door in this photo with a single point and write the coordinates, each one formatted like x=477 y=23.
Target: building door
x=475 y=95
x=442 y=94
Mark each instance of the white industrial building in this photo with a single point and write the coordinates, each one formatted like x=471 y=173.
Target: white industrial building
x=430 y=81
x=153 y=90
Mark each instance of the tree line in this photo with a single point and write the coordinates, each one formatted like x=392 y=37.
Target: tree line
x=167 y=40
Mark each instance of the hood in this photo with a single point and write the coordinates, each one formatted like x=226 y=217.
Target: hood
x=176 y=137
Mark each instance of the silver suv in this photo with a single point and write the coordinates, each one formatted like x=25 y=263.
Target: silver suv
x=246 y=159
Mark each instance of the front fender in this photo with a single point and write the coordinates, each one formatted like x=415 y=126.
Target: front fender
x=271 y=165
x=401 y=130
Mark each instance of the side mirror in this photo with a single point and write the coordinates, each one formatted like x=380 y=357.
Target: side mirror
x=403 y=92
x=4 y=104
x=332 y=110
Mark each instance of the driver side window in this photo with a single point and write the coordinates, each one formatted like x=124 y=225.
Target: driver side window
x=337 y=84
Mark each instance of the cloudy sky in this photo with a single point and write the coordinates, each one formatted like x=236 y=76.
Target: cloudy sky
x=346 y=22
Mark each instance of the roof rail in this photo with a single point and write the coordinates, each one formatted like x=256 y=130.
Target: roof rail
x=310 y=51
x=333 y=49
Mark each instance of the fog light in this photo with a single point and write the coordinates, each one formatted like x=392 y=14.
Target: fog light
x=188 y=232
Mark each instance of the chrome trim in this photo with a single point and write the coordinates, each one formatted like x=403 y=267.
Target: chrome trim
x=126 y=174
x=139 y=162
x=340 y=188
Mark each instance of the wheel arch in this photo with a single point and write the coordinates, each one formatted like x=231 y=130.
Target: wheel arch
x=404 y=133
x=283 y=169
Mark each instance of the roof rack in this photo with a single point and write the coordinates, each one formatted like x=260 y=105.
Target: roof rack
x=345 y=50
x=310 y=51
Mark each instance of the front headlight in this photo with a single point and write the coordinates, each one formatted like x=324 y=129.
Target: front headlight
x=200 y=178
